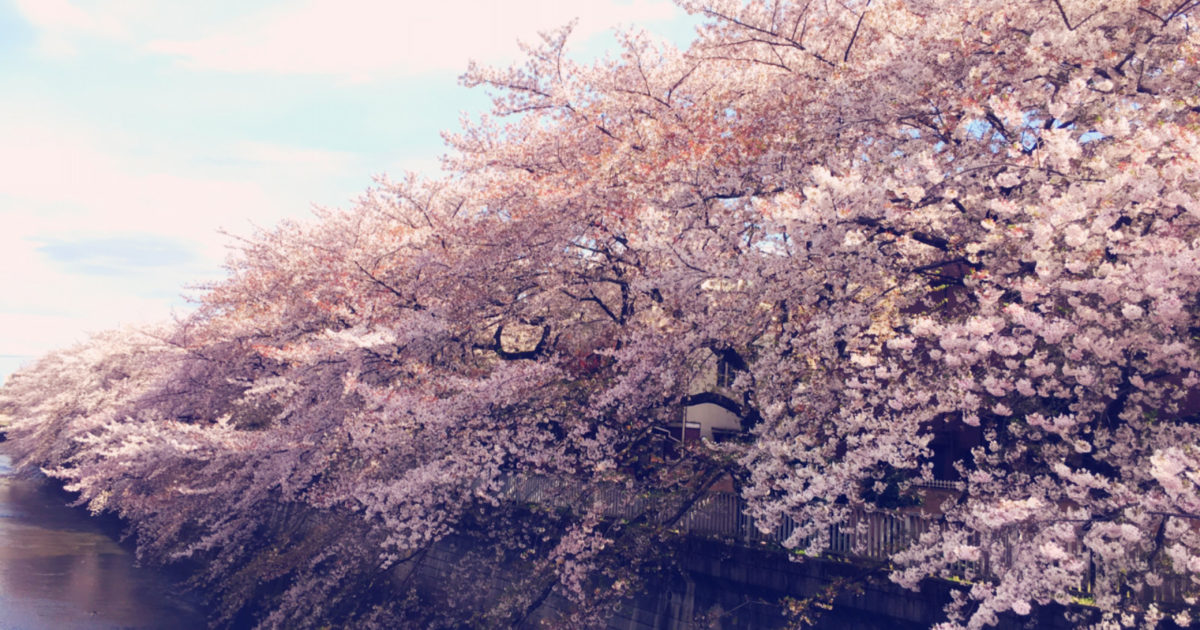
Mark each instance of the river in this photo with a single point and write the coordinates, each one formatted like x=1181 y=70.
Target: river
x=61 y=570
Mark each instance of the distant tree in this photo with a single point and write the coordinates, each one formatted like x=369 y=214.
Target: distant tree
x=891 y=217
x=54 y=405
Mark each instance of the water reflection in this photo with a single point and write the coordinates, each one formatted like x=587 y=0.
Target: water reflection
x=60 y=570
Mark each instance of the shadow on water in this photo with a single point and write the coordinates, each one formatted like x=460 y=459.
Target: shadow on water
x=60 y=569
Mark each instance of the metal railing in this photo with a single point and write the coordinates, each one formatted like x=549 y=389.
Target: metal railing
x=940 y=484
x=873 y=536
x=867 y=535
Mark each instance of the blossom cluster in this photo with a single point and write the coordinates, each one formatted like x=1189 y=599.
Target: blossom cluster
x=900 y=220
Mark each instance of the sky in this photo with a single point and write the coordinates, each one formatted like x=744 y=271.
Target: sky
x=137 y=135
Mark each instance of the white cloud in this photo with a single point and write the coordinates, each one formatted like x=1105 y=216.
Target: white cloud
x=43 y=306
x=357 y=40
x=366 y=39
x=272 y=154
x=70 y=183
x=95 y=236
x=60 y=23
x=68 y=180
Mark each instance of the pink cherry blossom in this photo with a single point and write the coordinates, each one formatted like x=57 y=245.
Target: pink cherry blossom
x=863 y=229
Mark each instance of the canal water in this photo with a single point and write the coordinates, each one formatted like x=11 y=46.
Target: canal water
x=61 y=570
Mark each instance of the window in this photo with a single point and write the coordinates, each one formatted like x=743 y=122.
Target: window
x=726 y=373
x=726 y=435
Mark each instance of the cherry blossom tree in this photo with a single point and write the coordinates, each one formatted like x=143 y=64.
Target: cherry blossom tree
x=896 y=219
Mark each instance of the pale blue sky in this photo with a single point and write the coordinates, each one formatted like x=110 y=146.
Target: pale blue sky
x=132 y=131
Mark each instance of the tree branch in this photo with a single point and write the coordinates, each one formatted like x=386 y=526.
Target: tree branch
x=854 y=35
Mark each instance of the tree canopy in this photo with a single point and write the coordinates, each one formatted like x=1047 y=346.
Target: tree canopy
x=896 y=218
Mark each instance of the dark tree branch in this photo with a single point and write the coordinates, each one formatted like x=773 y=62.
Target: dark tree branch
x=786 y=41
x=597 y=301
x=390 y=289
x=920 y=237
x=854 y=35
x=1062 y=12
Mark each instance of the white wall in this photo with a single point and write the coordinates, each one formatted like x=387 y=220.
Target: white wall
x=710 y=416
